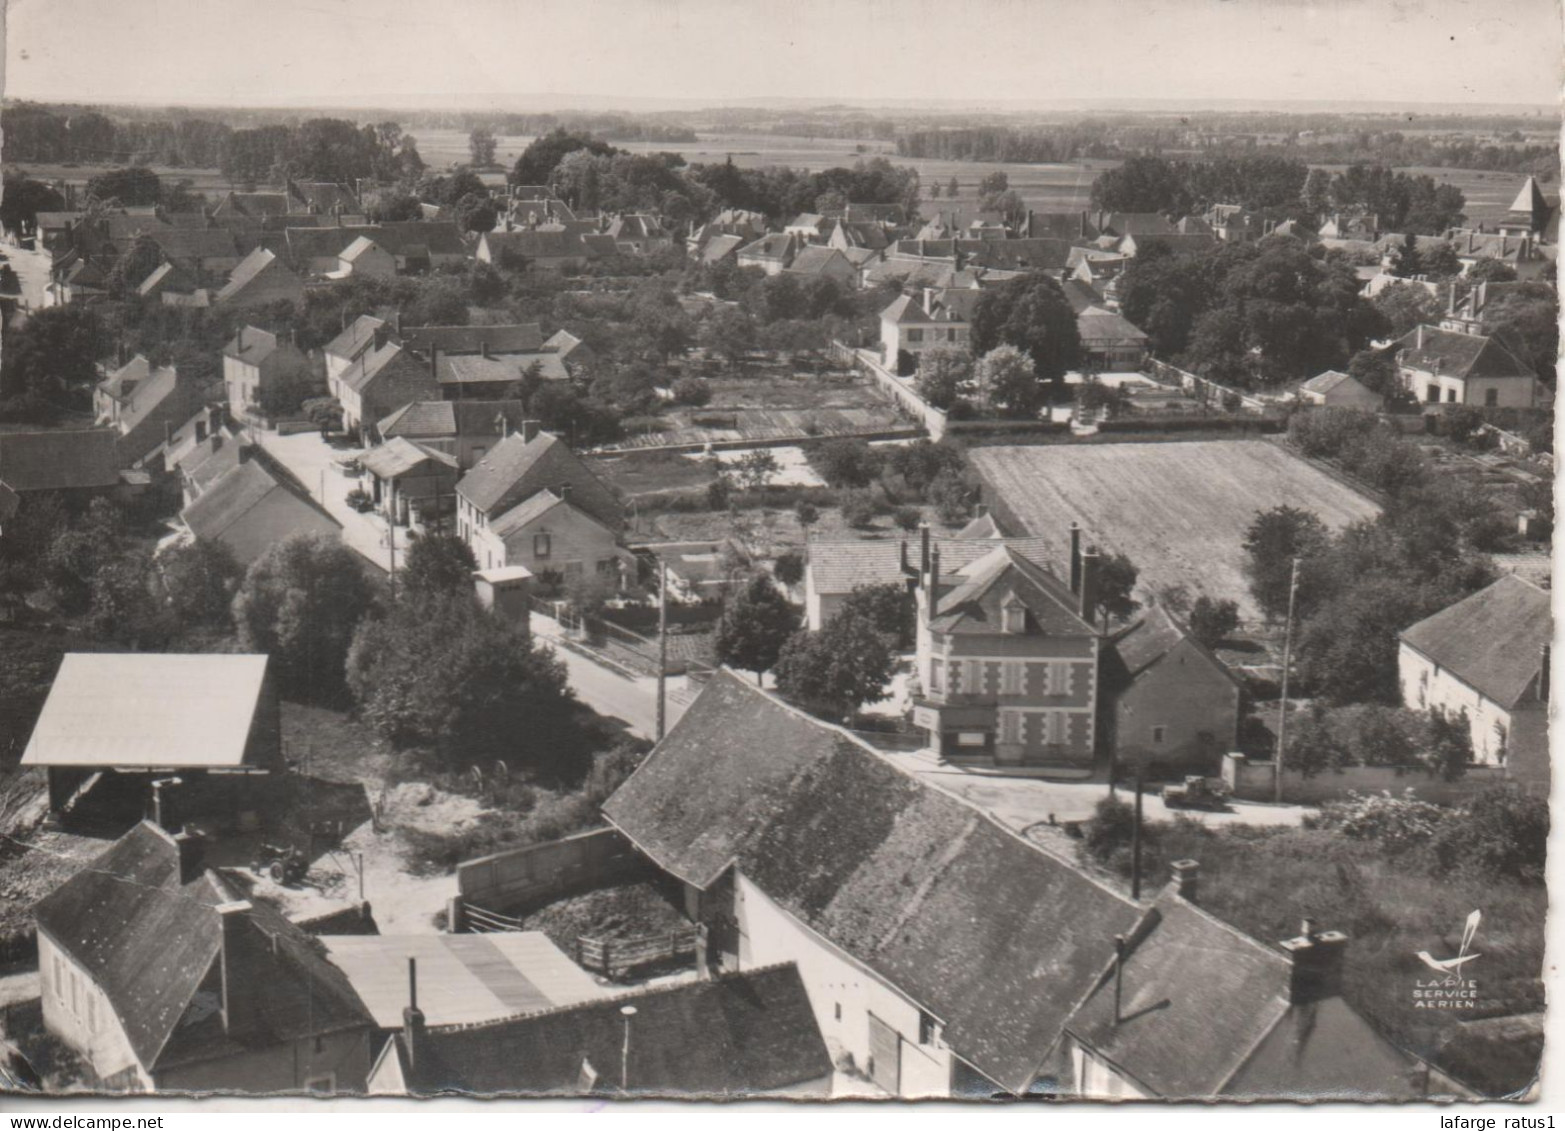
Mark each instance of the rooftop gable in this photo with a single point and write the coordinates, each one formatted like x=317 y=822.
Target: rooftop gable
x=62 y=460
x=1491 y=640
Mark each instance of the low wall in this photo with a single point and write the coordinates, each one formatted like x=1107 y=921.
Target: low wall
x=1201 y=386
x=902 y=392
x=1254 y=781
x=540 y=873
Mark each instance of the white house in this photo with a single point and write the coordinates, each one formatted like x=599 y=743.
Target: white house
x=1449 y=367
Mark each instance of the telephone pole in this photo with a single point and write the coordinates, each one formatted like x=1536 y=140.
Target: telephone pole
x=662 y=646
x=1287 y=659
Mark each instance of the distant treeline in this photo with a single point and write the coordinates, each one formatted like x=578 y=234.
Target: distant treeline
x=1006 y=144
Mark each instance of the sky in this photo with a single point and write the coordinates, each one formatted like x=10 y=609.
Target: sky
x=449 y=53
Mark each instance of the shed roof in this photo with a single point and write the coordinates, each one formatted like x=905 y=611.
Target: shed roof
x=398 y=456
x=991 y=935
x=462 y=979
x=454 y=418
x=734 y=1035
x=110 y=709
x=47 y=461
x=1491 y=640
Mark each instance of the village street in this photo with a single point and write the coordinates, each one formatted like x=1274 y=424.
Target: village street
x=32 y=268
x=633 y=701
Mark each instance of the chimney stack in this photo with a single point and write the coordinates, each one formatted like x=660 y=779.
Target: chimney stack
x=434 y=358
x=1450 y=302
x=529 y=431
x=483 y=347
x=1187 y=874
x=1076 y=558
x=414 y=1029
x=239 y=340
x=1089 y=584
x=934 y=579
x=192 y=857
x=380 y=337
x=239 y=985
x=1317 y=964
x=1545 y=657
x=1418 y=338
x=923 y=550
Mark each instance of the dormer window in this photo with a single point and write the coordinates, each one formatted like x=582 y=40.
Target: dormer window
x=1013 y=615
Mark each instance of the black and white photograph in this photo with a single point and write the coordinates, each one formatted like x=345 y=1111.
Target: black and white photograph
x=827 y=552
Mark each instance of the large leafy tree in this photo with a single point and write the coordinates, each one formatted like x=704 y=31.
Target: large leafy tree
x=537 y=163
x=300 y=603
x=198 y=580
x=53 y=352
x=444 y=675
x=1032 y=314
x=888 y=606
x=755 y=626
x=1271 y=544
x=943 y=373
x=23 y=198
x=437 y=565
x=1008 y=383
x=1406 y=306
x=1116 y=582
x=838 y=669
x=126 y=186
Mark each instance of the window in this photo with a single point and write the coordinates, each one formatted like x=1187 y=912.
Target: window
x=1157 y=735
x=1432 y=394
x=1011 y=726
x=971 y=738
x=937 y=675
x=1491 y=398
x=1450 y=396
x=321 y=1084
x=1014 y=617
x=606 y=566
x=926 y=1028
x=973 y=677
x=540 y=545
x=915 y=336
x=1011 y=677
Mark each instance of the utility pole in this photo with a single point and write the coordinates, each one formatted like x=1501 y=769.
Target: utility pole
x=662 y=646
x=1135 y=837
x=1287 y=658
x=627 y=1012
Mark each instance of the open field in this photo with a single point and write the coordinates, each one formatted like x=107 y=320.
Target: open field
x=771 y=408
x=1489 y=195
x=1177 y=510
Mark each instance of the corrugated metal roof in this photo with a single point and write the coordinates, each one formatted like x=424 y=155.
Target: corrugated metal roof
x=143 y=709
x=462 y=979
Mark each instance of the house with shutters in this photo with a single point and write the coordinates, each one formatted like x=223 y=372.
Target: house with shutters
x=533 y=502
x=161 y=974
x=944 y=955
x=1452 y=367
x=1008 y=660
x=256 y=361
x=913 y=324
x=1487 y=657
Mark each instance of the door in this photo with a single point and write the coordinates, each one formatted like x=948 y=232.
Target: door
x=885 y=1055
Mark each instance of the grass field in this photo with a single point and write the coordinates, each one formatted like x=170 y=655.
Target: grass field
x=1179 y=511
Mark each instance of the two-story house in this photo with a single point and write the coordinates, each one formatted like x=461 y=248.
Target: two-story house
x=532 y=502
x=1007 y=660
x=160 y=973
x=772 y=253
x=465 y=429
x=940 y=316
x=255 y=361
x=382 y=378
x=143 y=402
x=261 y=277
x=1487 y=657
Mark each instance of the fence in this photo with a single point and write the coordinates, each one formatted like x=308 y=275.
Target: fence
x=901 y=391
x=615 y=958
x=1256 y=781
x=1202 y=387
x=540 y=873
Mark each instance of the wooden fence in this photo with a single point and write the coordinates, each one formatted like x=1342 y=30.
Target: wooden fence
x=615 y=958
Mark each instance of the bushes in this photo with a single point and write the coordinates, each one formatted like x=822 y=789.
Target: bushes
x=692 y=391
x=1368 y=734
x=1212 y=622
x=859 y=507
x=845 y=462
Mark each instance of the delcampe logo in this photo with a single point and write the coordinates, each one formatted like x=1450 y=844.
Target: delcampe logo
x=1449 y=987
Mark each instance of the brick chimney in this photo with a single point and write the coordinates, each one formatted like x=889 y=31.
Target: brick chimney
x=380 y=337
x=923 y=550
x=1317 y=964
x=241 y=981
x=192 y=857
x=415 y=1032
x=1088 y=593
x=1075 y=563
x=529 y=430
x=1187 y=874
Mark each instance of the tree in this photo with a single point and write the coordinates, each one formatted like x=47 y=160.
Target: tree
x=1116 y=581
x=992 y=185
x=1409 y=261
x=1271 y=544
x=1212 y=622
x=755 y=469
x=1406 y=306
x=135 y=263
x=126 y=186
x=22 y=198
x=1526 y=318
x=755 y=626
x=888 y=606
x=952 y=188
x=1010 y=205
x=835 y=671
x=437 y=565
x=537 y=163
x=730 y=333
x=805 y=514
x=53 y=352
x=124 y=607
x=1008 y=383
x=78 y=551
x=481 y=147
x=943 y=373
x=1441 y=261
x=920 y=462
x=198 y=580
x=1491 y=271
x=846 y=462
x=300 y=603
x=789 y=567
x=859 y=506
x=1031 y=313
x=1313 y=743
x=951 y=496
x=1377 y=370
x=475 y=212
x=445 y=675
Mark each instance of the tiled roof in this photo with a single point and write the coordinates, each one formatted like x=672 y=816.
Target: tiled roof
x=235 y=493
x=1139 y=647
x=305 y=244
x=472 y=368
x=152 y=940
x=1175 y=242
x=1097 y=325
x=516 y=469
x=993 y=937
x=49 y=461
x=720 y=247
x=1459 y=355
x=1204 y=1011
x=434 y=419
x=524 y=513
x=734 y=1035
x=564 y=343
x=164 y=275
x=251 y=345
x=398 y=456
x=194 y=244
x=773 y=245
x=537 y=244
x=146 y=709
x=1030 y=254
x=361 y=246
x=519 y=337
x=1490 y=640
x=815 y=260
x=1134 y=223
x=249 y=268
x=978 y=590
x=356 y=337
x=403 y=237
x=840 y=566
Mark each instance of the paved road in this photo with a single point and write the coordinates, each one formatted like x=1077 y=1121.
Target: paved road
x=32 y=268
x=631 y=701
